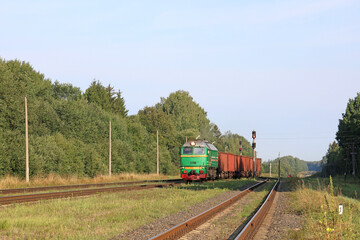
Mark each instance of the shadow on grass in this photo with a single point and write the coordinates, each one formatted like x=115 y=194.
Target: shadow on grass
x=345 y=187
x=230 y=184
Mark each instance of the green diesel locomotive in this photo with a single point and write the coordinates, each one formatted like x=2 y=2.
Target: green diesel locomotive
x=199 y=161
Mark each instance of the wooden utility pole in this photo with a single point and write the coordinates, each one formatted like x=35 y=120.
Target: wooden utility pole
x=279 y=165
x=26 y=143
x=110 y=148
x=157 y=151
x=270 y=169
x=253 y=147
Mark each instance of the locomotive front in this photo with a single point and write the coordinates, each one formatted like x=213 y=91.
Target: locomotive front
x=197 y=158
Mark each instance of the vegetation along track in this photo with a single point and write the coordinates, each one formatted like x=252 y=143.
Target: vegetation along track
x=76 y=193
x=189 y=225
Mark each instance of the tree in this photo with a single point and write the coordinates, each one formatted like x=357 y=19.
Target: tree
x=65 y=91
x=98 y=94
x=348 y=134
x=332 y=162
x=106 y=98
x=118 y=105
x=185 y=113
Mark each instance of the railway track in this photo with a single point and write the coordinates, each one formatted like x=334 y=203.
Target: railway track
x=250 y=229
x=5 y=200
x=191 y=224
x=80 y=186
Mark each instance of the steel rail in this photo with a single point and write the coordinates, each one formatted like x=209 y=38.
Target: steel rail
x=250 y=229
x=187 y=226
x=63 y=187
x=76 y=193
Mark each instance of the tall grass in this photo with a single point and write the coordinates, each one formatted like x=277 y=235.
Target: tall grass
x=319 y=207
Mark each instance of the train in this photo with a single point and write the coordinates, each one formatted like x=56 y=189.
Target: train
x=201 y=160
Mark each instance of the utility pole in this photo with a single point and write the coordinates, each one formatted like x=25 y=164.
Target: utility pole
x=110 y=148
x=26 y=143
x=185 y=139
x=157 y=151
x=253 y=146
x=279 y=165
x=270 y=169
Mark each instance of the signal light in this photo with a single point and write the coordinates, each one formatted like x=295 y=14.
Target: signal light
x=254 y=134
x=184 y=171
x=253 y=145
x=192 y=143
x=201 y=171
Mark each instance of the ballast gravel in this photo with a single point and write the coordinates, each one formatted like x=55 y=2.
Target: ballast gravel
x=160 y=225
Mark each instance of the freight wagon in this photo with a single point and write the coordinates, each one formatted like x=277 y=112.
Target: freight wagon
x=200 y=160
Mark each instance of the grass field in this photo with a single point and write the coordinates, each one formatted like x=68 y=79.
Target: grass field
x=103 y=216
x=318 y=200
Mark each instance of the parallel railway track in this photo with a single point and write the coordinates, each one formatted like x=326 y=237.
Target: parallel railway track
x=5 y=200
x=250 y=229
x=78 y=186
x=245 y=233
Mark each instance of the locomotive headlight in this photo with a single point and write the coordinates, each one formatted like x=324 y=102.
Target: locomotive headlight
x=192 y=143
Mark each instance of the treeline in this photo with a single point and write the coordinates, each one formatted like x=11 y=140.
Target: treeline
x=69 y=129
x=289 y=165
x=343 y=156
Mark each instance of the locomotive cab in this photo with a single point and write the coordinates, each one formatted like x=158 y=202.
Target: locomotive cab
x=197 y=160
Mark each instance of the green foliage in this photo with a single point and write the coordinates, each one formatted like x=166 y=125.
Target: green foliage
x=65 y=91
x=338 y=159
x=104 y=97
x=69 y=130
x=230 y=142
x=184 y=111
x=288 y=165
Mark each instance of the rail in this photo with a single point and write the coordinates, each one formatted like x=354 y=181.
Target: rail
x=76 y=193
x=187 y=226
x=250 y=229
x=63 y=187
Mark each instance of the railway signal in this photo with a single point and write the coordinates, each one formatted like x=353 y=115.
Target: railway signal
x=253 y=147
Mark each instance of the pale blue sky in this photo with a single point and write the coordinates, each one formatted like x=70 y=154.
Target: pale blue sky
x=283 y=68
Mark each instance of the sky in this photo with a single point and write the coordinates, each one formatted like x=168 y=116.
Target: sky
x=283 y=68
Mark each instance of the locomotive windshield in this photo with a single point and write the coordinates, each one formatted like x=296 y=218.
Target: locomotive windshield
x=187 y=150
x=199 y=150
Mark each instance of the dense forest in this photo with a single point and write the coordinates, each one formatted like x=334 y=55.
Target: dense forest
x=343 y=156
x=289 y=165
x=69 y=129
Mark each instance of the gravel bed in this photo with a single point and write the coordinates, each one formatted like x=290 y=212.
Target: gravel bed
x=165 y=223
x=282 y=219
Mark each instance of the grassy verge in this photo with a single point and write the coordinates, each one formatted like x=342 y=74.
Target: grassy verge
x=101 y=216
x=54 y=180
x=317 y=200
